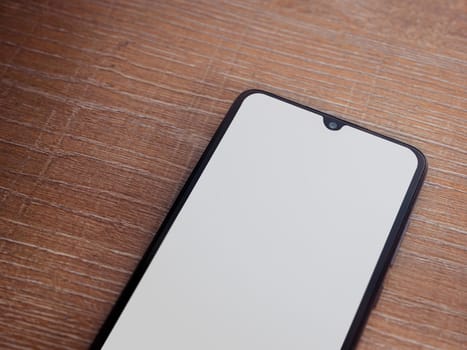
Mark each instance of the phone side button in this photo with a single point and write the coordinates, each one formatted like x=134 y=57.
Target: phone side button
x=399 y=243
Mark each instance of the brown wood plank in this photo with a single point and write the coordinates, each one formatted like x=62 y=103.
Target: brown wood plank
x=105 y=107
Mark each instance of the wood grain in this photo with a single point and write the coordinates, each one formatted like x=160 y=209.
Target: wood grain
x=107 y=105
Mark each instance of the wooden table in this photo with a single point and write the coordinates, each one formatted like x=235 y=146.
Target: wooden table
x=107 y=105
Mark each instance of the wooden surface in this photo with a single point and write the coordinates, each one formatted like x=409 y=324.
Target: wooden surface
x=107 y=105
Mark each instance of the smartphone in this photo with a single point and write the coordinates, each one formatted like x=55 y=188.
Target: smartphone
x=280 y=238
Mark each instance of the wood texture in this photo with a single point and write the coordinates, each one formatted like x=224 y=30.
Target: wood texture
x=107 y=105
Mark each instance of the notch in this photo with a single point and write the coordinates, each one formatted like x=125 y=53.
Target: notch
x=332 y=123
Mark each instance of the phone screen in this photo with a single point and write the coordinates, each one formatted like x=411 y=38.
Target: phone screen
x=276 y=244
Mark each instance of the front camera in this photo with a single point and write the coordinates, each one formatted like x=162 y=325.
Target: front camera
x=333 y=125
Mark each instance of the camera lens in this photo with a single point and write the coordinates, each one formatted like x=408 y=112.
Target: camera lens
x=333 y=125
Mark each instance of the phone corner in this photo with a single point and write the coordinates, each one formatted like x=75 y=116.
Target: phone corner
x=422 y=163
x=250 y=92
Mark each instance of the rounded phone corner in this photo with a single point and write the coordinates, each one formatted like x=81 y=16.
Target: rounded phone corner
x=422 y=163
x=248 y=93
x=241 y=98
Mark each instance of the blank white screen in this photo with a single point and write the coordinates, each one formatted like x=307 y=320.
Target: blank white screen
x=276 y=243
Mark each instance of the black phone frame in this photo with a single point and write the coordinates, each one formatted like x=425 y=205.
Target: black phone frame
x=384 y=260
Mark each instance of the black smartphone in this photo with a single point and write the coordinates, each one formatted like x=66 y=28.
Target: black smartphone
x=279 y=239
